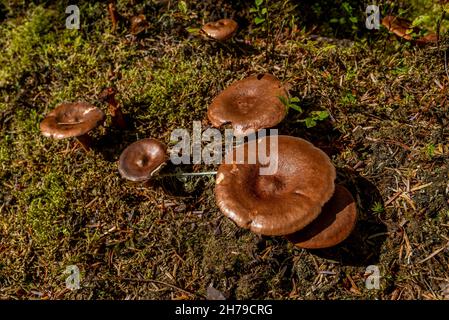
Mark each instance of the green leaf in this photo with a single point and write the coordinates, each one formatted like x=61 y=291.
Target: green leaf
x=310 y=123
x=264 y=11
x=283 y=100
x=258 y=2
x=295 y=107
x=259 y=20
x=193 y=30
x=294 y=99
x=321 y=115
x=253 y=10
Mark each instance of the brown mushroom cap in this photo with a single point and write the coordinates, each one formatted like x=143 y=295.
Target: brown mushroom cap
x=141 y=159
x=71 y=120
x=398 y=26
x=281 y=203
x=403 y=28
x=333 y=225
x=221 y=30
x=138 y=24
x=249 y=104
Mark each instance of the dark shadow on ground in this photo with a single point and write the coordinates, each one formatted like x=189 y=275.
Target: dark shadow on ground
x=114 y=141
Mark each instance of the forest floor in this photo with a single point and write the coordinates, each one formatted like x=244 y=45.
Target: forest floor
x=387 y=133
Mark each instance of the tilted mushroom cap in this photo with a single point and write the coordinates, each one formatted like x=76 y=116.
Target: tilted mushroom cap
x=398 y=26
x=222 y=29
x=404 y=29
x=141 y=159
x=281 y=203
x=71 y=120
x=249 y=104
x=333 y=225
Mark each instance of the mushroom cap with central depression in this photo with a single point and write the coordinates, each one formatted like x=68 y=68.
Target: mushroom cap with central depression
x=141 y=159
x=71 y=120
x=286 y=199
x=250 y=104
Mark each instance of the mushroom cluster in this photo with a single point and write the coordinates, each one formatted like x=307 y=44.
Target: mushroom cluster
x=299 y=201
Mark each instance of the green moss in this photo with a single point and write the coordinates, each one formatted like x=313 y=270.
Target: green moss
x=46 y=199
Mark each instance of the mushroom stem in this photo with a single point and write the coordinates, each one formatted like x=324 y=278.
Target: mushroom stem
x=117 y=115
x=85 y=141
x=113 y=14
x=108 y=95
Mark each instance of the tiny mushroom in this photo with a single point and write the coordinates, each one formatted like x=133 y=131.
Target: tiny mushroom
x=282 y=202
x=250 y=104
x=335 y=223
x=108 y=95
x=138 y=24
x=220 y=30
x=142 y=159
x=72 y=120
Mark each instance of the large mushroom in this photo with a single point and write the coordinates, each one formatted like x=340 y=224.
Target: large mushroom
x=250 y=104
x=142 y=159
x=72 y=120
x=335 y=223
x=220 y=30
x=280 y=203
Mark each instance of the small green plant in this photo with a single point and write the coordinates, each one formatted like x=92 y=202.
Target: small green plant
x=378 y=207
x=430 y=150
x=182 y=6
x=348 y=18
x=291 y=103
x=261 y=13
x=349 y=99
x=314 y=116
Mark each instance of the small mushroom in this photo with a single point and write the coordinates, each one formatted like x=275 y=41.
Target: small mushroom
x=335 y=223
x=281 y=203
x=72 y=120
x=142 y=159
x=138 y=24
x=250 y=104
x=220 y=30
x=114 y=108
x=403 y=29
x=398 y=26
